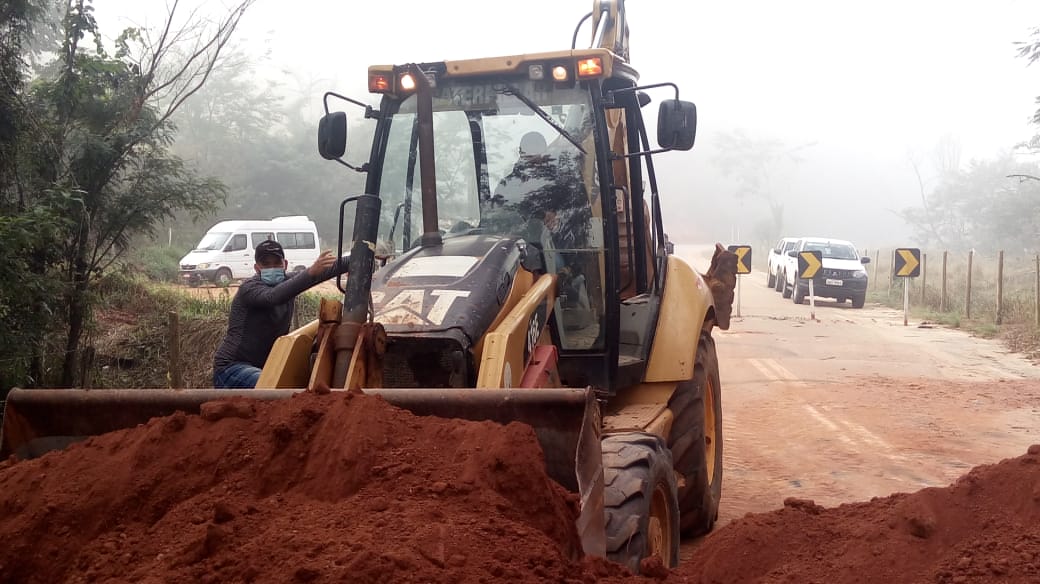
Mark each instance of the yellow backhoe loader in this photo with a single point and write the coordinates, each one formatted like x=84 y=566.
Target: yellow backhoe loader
x=508 y=262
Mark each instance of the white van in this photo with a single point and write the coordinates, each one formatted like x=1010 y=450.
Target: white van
x=226 y=251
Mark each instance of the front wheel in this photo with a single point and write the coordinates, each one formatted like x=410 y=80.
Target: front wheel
x=781 y=279
x=799 y=294
x=770 y=280
x=642 y=512
x=786 y=291
x=859 y=300
x=696 y=441
x=223 y=277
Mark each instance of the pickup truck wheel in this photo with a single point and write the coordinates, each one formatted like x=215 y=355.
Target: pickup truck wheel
x=639 y=497
x=780 y=279
x=859 y=300
x=770 y=280
x=799 y=294
x=786 y=290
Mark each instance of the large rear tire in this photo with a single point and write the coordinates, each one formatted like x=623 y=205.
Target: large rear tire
x=696 y=441
x=642 y=513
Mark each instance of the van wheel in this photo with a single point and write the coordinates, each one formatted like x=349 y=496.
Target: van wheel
x=639 y=496
x=696 y=441
x=223 y=277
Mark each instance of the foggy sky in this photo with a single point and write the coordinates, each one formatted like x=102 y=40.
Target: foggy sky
x=865 y=83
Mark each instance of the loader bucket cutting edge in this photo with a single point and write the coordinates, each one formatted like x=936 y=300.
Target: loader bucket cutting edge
x=566 y=422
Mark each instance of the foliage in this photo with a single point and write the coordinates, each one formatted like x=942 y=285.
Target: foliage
x=91 y=163
x=980 y=207
x=262 y=146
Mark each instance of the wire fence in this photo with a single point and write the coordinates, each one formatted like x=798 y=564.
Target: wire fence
x=996 y=287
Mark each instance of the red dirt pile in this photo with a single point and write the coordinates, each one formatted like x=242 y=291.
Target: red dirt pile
x=985 y=528
x=341 y=487
x=326 y=488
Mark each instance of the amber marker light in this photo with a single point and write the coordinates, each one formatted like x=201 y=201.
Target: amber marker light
x=591 y=67
x=379 y=83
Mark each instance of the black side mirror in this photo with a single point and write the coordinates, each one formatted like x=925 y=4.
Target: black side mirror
x=676 y=125
x=793 y=253
x=864 y=260
x=332 y=135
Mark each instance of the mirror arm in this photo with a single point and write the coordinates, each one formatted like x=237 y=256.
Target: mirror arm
x=362 y=168
x=641 y=87
x=370 y=112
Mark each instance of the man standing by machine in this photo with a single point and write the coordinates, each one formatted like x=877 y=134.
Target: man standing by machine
x=262 y=311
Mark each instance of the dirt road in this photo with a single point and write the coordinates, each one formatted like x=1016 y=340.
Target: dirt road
x=855 y=405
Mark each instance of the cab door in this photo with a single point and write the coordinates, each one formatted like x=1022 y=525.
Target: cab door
x=239 y=256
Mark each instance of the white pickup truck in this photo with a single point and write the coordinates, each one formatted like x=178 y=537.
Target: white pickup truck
x=842 y=275
x=777 y=261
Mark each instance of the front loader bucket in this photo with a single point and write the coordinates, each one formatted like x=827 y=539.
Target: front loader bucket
x=566 y=422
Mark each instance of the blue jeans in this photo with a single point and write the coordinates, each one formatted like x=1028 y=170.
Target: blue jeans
x=236 y=376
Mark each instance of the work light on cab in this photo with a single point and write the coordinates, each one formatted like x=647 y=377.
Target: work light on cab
x=407 y=82
x=590 y=67
x=560 y=73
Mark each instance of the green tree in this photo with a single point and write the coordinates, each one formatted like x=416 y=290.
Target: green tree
x=98 y=156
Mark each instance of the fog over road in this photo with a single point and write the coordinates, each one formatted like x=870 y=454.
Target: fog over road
x=854 y=405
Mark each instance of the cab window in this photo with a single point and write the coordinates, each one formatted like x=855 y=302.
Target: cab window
x=237 y=243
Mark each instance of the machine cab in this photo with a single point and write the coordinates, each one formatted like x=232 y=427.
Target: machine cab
x=549 y=151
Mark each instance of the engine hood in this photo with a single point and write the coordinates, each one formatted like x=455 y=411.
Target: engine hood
x=461 y=284
x=833 y=264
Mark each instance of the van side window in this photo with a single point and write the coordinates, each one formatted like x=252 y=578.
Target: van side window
x=238 y=242
x=297 y=240
x=260 y=237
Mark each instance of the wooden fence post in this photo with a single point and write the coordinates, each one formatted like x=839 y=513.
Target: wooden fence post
x=967 y=293
x=891 y=273
x=877 y=260
x=942 y=294
x=1000 y=287
x=173 y=343
x=924 y=278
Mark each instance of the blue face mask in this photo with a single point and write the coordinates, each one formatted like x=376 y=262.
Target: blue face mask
x=272 y=276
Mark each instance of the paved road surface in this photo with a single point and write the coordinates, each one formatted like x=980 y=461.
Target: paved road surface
x=855 y=405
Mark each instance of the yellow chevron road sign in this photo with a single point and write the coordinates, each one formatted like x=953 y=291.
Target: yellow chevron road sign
x=743 y=258
x=908 y=262
x=809 y=262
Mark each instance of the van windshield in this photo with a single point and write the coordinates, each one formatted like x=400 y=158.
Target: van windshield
x=212 y=241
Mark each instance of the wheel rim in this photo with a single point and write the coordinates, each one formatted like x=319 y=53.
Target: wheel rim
x=659 y=535
x=709 y=428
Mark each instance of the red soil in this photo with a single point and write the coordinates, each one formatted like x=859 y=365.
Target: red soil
x=347 y=488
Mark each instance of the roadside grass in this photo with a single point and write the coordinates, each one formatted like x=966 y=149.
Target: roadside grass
x=129 y=336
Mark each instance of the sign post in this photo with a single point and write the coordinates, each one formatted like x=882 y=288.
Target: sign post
x=907 y=265
x=809 y=263
x=743 y=253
